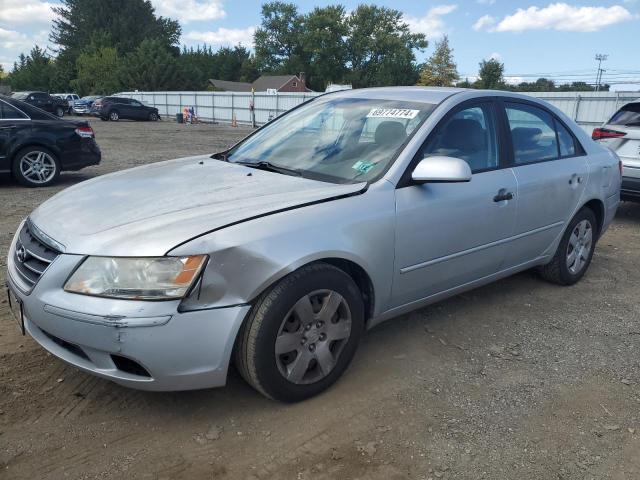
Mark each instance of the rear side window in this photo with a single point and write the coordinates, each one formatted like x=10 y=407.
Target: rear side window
x=629 y=115
x=533 y=133
x=7 y=112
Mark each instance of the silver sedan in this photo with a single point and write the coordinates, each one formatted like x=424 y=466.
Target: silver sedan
x=279 y=253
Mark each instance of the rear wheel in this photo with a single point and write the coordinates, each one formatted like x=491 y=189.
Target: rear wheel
x=59 y=111
x=301 y=334
x=114 y=116
x=575 y=251
x=36 y=167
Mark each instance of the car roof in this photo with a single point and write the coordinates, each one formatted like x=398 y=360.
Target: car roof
x=433 y=95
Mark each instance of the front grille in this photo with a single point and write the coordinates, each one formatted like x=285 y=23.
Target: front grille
x=31 y=257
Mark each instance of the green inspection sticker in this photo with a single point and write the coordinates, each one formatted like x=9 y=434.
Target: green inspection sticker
x=363 y=167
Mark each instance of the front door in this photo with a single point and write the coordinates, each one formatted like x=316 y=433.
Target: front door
x=11 y=120
x=449 y=234
x=552 y=173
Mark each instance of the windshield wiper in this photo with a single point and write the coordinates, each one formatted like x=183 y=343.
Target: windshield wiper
x=270 y=167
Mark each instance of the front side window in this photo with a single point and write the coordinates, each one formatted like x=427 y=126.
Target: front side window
x=532 y=133
x=469 y=134
x=338 y=140
x=7 y=112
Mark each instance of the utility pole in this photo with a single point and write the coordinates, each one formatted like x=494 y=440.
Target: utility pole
x=600 y=58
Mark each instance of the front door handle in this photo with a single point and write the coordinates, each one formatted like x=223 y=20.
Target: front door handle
x=503 y=195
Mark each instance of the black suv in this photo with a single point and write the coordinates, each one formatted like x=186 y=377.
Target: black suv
x=115 y=108
x=46 y=102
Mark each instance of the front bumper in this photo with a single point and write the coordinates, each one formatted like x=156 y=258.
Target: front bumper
x=144 y=345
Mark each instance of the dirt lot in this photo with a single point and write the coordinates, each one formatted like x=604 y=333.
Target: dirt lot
x=520 y=379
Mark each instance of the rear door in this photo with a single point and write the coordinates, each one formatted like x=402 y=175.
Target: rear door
x=551 y=170
x=11 y=120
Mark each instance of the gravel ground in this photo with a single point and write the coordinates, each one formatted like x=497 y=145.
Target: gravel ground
x=519 y=379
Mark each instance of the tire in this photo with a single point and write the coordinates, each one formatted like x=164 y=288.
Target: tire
x=114 y=116
x=275 y=316
x=561 y=270
x=48 y=167
x=59 y=111
x=153 y=117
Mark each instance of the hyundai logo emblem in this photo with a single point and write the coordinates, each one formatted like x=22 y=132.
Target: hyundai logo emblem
x=21 y=254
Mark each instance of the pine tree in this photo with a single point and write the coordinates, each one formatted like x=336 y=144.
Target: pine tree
x=440 y=70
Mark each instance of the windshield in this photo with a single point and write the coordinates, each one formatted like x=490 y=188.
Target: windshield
x=338 y=140
x=629 y=115
x=20 y=95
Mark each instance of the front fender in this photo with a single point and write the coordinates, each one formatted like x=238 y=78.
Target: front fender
x=247 y=258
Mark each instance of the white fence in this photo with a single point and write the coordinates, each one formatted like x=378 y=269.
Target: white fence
x=589 y=109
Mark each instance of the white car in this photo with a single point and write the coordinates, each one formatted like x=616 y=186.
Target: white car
x=622 y=135
x=69 y=97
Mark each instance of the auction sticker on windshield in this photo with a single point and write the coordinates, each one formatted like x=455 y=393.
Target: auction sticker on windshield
x=405 y=113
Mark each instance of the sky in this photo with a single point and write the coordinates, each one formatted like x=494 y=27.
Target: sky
x=557 y=40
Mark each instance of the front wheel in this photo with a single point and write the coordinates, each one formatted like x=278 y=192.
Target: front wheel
x=36 y=167
x=575 y=251
x=153 y=117
x=114 y=116
x=301 y=334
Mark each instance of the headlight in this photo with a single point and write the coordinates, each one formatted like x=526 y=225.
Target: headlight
x=161 y=278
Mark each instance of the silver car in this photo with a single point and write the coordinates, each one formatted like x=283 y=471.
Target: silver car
x=279 y=253
x=622 y=135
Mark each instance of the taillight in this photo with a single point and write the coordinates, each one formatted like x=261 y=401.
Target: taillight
x=85 y=132
x=620 y=166
x=600 y=133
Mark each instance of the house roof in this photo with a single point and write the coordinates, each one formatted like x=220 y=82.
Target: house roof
x=231 y=86
x=262 y=84
x=266 y=82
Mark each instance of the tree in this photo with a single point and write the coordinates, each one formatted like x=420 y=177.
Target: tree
x=491 y=75
x=440 y=70
x=151 y=67
x=324 y=40
x=32 y=72
x=277 y=41
x=98 y=71
x=380 y=48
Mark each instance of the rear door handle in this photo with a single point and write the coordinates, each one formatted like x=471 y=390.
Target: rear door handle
x=503 y=195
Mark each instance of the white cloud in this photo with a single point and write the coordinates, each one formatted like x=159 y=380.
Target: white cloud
x=25 y=11
x=483 y=22
x=559 y=16
x=190 y=10
x=513 y=80
x=432 y=23
x=495 y=56
x=486 y=2
x=13 y=43
x=223 y=36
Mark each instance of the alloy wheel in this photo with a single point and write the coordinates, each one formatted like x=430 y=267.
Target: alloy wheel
x=113 y=116
x=38 y=167
x=312 y=337
x=579 y=247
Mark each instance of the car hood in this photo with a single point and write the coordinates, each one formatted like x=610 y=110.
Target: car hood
x=151 y=209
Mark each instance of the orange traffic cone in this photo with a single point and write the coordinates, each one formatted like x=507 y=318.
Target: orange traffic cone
x=234 y=122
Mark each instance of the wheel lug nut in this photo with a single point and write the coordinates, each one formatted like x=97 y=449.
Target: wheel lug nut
x=318 y=325
x=323 y=337
x=312 y=347
x=308 y=326
x=303 y=341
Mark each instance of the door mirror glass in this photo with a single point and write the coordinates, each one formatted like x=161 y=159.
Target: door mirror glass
x=441 y=169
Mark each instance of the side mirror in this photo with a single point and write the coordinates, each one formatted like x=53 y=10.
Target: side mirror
x=440 y=169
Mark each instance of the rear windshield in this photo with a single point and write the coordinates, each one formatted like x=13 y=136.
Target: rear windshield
x=629 y=115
